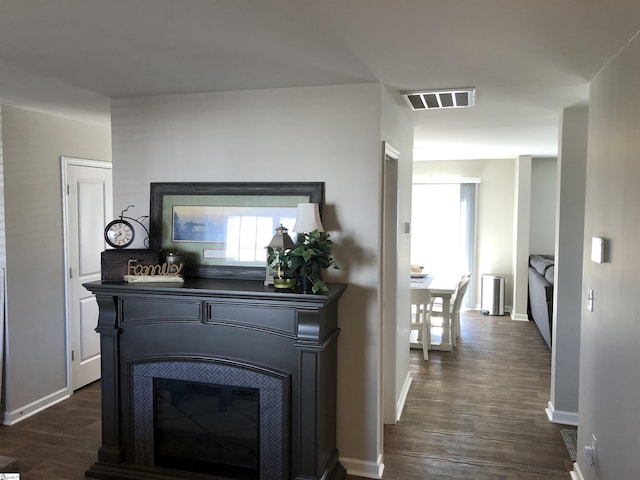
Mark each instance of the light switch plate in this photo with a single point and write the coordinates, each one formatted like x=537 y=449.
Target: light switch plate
x=597 y=249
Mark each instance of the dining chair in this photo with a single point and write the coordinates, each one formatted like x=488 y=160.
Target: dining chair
x=420 y=299
x=435 y=308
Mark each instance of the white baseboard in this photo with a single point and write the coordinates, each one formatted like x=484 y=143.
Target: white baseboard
x=520 y=317
x=576 y=474
x=403 y=397
x=13 y=417
x=560 y=416
x=360 y=468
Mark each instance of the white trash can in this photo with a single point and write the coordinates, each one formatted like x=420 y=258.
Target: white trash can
x=492 y=294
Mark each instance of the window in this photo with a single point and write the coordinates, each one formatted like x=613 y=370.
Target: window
x=443 y=229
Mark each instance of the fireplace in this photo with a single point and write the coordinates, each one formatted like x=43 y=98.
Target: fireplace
x=201 y=427
x=215 y=380
x=261 y=395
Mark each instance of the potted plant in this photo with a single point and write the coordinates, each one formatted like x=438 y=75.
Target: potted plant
x=280 y=263
x=309 y=257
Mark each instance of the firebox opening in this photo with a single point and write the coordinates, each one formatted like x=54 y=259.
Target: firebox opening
x=207 y=428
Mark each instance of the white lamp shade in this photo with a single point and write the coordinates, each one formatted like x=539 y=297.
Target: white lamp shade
x=308 y=218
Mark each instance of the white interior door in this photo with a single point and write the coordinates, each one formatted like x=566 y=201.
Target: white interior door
x=88 y=193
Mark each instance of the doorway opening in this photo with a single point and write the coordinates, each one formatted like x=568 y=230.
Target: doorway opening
x=443 y=229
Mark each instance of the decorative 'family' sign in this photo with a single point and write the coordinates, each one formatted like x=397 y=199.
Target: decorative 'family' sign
x=165 y=272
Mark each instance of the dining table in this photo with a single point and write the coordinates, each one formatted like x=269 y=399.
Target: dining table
x=441 y=286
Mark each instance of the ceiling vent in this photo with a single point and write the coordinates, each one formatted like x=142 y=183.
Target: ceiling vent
x=438 y=99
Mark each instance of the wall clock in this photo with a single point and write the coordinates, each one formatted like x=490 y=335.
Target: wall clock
x=119 y=233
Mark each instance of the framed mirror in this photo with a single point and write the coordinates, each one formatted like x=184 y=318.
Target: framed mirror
x=222 y=229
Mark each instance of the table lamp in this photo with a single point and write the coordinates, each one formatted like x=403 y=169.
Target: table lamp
x=308 y=218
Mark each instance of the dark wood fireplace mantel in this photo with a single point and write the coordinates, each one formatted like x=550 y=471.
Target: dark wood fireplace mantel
x=240 y=330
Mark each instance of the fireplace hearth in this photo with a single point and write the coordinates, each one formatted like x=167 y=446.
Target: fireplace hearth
x=217 y=380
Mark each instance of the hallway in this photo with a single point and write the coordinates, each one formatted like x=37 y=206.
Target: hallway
x=478 y=412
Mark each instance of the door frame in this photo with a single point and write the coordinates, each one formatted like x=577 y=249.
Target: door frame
x=66 y=162
x=389 y=282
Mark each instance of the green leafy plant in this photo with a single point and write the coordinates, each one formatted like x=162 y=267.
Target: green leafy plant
x=310 y=256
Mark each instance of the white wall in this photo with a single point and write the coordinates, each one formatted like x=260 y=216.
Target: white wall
x=3 y=250
x=567 y=292
x=495 y=211
x=3 y=263
x=610 y=337
x=542 y=233
x=32 y=145
x=329 y=134
x=521 y=229
x=396 y=125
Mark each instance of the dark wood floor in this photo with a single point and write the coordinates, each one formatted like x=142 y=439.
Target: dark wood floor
x=478 y=412
x=59 y=443
x=474 y=413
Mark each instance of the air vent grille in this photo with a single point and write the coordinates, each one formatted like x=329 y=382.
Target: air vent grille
x=437 y=99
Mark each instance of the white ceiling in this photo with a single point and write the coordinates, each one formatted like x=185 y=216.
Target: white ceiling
x=528 y=59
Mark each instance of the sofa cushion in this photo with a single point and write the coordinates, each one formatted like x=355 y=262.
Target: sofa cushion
x=548 y=275
x=540 y=263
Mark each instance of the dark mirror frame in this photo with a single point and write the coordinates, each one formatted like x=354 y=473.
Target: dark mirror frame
x=314 y=191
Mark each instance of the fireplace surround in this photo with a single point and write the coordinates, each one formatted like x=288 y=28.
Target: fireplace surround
x=215 y=333
x=271 y=406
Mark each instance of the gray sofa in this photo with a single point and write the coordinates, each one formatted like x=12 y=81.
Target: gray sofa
x=541 y=270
